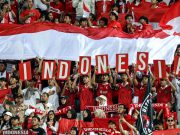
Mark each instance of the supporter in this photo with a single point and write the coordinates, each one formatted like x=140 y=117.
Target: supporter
x=7 y=15
x=115 y=7
x=50 y=17
x=30 y=15
x=102 y=100
x=103 y=22
x=130 y=26
x=3 y=83
x=3 y=72
x=123 y=6
x=84 y=89
x=83 y=23
x=104 y=87
x=87 y=116
x=15 y=123
x=68 y=19
x=113 y=126
x=121 y=110
x=51 y=123
x=44 y=105
x=31 y=94
x=63 y=102
x=145 y=23
x=53 y=89
x=77 y=23
x=92 y=20
x=170 y=122
x=83 y=8
x=56 y=7
x=114 y=21
x=56 y=21
x=36 y=129
x=71 y=114
x=14 y=85
x=5 y=123
x=158 y=4
x=158 y=124
x=69 y=92
x=98 y=113
x=103 y=6
x=19 y=108
x=124 y=88
x=29 y=113
x=68 y=7
x=165 y=91
x=74 y=131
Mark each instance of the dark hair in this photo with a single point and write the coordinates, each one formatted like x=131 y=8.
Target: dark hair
x=89 y=117
x=105 y=20
x=112 y=13
x=128 y=15
x=76 y=129
x=15 y=77
x=54 y=120
x=82 y=20
x=3 y=79
x=93 y=16
x=111 y=122
x=145 y=18
x=35 y=116
x=69 y=15
x=73 y=112
x=46 y=94
x=47 y=17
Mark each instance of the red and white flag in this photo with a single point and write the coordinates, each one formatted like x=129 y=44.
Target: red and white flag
x=86 y=11
x=171 y=19
x=25 y=71
x=177 y=65
x=48 y=70
x=63 y=70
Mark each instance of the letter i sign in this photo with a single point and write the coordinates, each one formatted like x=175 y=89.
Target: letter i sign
x=25 y=71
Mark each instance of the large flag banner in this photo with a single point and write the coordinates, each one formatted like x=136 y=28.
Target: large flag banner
x=145 y=119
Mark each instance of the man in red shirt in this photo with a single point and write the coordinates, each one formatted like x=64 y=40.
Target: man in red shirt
x=165 y=91
x=56 y=7
x=85 y=92
x=30 y=15
x=124 y=89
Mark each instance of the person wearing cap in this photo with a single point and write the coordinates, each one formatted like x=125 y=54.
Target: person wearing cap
x=15 y=123
x=114 y=21
x=29 y=113
x=104 y=87
x=102 y=100
x=124 y=88
x=84 y=91
x=5 y=123
x=31 y=94
x=53 y=90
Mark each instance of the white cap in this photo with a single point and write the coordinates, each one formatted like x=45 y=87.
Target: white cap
x=29 y=111
x=116 y=13
x=8 y=113
x=102 y=97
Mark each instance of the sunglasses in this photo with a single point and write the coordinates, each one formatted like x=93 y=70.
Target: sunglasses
x=170 y=120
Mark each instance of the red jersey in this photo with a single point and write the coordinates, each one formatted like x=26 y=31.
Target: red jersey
x=71 y=96
x=103 y=6
x=106 y=90
x=140 y=91
x=125 y=94
x=164 y=94
x=58 y=8
x=85 y=96
x=32 y=11
x=115 y=24
x=68 y=6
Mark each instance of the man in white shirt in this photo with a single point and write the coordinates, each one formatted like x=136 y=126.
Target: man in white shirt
x=31 y=94
x=52 y=91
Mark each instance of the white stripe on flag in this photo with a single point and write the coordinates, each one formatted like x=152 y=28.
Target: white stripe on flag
x=160 y=70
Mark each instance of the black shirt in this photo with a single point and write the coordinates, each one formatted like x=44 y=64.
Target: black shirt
x=38 y=131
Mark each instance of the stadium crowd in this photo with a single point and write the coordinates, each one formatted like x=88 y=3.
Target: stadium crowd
x=61 y=107
x=89 y=13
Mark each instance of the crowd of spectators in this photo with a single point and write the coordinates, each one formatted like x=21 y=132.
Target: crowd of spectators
x=88 y=13
x=46 y=106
